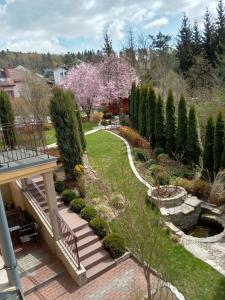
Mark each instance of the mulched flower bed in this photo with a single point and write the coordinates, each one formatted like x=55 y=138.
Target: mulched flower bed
x=166 y=192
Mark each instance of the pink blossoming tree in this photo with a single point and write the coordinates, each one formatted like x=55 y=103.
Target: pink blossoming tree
x=84 y=81
x=106 y=82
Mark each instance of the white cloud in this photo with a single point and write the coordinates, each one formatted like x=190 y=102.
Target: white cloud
x=40 y=24
x=157 y=23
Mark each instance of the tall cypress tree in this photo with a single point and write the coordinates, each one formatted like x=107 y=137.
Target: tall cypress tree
x=150 y=116
x=80 y=127
x=159 y=124
x=136 y=107
x=7 y=118
x=218 y=142
x=142 y=111
x=194 y=145
x=184 y=46
x=208 y=157
x=170 y=125
x=131 y=102
x=64 y=118
x=182 y=127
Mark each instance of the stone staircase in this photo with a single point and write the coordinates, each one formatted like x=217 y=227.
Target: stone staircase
x=95 y=259
x=182 y=210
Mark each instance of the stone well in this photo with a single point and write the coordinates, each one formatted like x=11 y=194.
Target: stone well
x=178 y=207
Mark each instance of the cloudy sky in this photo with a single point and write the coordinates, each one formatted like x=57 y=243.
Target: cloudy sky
x=59 y=26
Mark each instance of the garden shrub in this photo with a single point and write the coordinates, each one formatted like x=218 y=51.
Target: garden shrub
x=155 y=169
x=105 y=122
x=115 y=244
x=196 y=187
x=99 y=200
x=105 y=212
x=76 y=205
x=217 y=193
x=150 y=162
x=96 y=117
x=68 y=196
x=100 y=227
x=117 y=200
x=163 y=157
x=88 y=213
x=159 y=151
x=141 y=154
x=59 y=186
x=133 y=137
x=162 y=178
x=54 y=175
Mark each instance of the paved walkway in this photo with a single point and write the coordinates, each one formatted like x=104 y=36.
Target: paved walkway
x=122 y=282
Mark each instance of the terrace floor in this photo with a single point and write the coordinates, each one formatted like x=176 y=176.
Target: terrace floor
x=44 y=277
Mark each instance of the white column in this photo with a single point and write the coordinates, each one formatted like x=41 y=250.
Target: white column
x=52 y=203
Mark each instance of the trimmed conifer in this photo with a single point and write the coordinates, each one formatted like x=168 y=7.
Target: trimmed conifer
x=170 y=125
x=208 y=158
x=131 y=101
x=182 y=127
x=142 y=111
x=194 y=145
x=159 y=124
x=80 y=125
x=64 y=118
x=7 y=118
x=136 y=107
x=150 y=116
x=218 y=142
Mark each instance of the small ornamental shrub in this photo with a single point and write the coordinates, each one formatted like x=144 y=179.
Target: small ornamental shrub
x=196 y=187
x=100 y=227
x=163 y=157
x=159 y=151
x=54 y=175
x=155 y=169
x=68 y=196
x=88 y=213
x=217 y=193
x=162 y=178
x=59 y=186
x=115 y=244
x=117 y=201
x=141 y=154
x=105 y=212
x=105 y=123
x=76 y=205
x=96 y=117
x=133 y=137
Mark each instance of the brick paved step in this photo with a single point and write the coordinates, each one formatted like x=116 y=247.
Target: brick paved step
x=90 y=250
x=84 y=232
x=40 y=276
x=95 y=259
x=100 y=268
x=87 y=241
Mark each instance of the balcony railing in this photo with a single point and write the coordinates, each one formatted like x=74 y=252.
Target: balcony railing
x=21 y=141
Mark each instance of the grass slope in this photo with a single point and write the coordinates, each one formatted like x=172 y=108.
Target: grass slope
x=195 y=279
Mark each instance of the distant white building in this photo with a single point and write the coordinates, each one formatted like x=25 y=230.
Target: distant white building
x=59 y=74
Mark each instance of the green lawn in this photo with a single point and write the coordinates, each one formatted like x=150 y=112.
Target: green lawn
x=195 y=279
x=50 y=134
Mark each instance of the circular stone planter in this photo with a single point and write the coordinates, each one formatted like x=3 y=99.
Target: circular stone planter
x=210 y=239
x=167 y=195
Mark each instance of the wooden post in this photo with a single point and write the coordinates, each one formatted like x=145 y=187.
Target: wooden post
x=52 y=203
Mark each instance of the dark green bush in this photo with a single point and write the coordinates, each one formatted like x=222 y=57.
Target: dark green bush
x=162 y=178
x=100 y=227
x=141 y=154
x=59 y=186
x=159 y=151
x=107 y=115
x=115 y=244
x=88 y=213
x=76 y=205
x=68 y=196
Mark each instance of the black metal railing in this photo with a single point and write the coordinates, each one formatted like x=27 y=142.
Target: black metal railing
x=21 y=141
x=70 y=240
